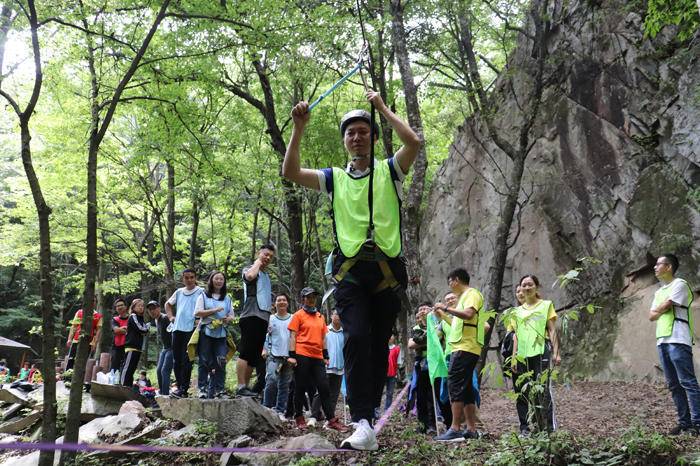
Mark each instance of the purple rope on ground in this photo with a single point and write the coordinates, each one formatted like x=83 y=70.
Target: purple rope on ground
x=85 y=447
x=93 y=447
x=379 y=425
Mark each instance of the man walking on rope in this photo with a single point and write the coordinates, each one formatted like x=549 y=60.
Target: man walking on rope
x=367 y=266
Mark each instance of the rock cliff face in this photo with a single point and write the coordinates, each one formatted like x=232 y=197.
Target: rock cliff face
x=614 y=175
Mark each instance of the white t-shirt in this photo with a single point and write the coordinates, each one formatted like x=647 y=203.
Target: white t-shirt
x=185 y=291
x=681 y=330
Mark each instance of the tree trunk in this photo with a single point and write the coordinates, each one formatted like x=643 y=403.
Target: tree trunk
x=49 y=408
x=97 y=133
x=254 y=233
x=516 y=152
x=411 y=211
x=193 y=238
x=169 y=252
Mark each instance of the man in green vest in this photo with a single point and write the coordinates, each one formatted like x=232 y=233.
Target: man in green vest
x=368 y=268
x=674 y=340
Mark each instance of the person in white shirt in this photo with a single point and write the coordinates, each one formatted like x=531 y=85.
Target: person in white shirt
x=671 y=312
x=182 y=317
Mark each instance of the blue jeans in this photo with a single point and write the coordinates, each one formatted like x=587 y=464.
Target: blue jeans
x=276 y=391
x=212 y=363
x=390 y=387
x=677 y=363
x=164 y=369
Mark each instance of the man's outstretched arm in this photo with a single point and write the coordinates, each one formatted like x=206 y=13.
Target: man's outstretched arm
x=291 y=167
x=410 y=140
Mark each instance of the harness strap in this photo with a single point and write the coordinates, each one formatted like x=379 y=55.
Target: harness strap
x=372 y=254
x=389 y=280
x=344 y=269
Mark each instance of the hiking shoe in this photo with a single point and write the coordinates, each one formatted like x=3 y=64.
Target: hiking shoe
x=335 y=424
x=363 y=438
x=470 y=435
x=451 y=436
x=301 y=422
x=679 y=429
x=245 y=391
x=179 y=394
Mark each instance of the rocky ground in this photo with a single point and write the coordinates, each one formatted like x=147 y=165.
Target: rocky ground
x=600 y=423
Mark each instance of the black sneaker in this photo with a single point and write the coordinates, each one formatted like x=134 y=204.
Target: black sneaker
x=469 y=434
x=679 y=429
x=179 y=394
x=245 y=391
x=524 y=432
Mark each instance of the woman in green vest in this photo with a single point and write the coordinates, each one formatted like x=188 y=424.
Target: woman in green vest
x=537 y=347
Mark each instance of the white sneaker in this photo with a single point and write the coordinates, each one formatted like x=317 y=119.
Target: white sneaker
x=311 y=422
x=282 y=417
x=363 y=438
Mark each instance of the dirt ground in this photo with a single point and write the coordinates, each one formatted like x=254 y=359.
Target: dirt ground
x=593 y=412
x=598 y=409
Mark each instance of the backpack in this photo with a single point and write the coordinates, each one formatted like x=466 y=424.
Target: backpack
x=506 y=348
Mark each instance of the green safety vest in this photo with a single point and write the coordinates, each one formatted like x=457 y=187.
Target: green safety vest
x=351 y=211
x=664 y=324
x=458 y=324
x=530 y=328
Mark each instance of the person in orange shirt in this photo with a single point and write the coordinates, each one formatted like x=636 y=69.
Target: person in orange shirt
x=309 y=357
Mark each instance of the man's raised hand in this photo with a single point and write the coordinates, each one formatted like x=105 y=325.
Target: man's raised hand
x=300 y=113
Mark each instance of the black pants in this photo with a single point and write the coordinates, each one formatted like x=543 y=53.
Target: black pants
x=424 y=396
x=72 y=351
x=334 y=383
x=367 y=320
x=260 y=373
x=117 y=358
x=444 y=408
x=310 y=373
x=131 y=362
x=540 y=402
x=181 y=362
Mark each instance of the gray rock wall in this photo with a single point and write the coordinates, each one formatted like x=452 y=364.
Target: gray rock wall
x=614 y=174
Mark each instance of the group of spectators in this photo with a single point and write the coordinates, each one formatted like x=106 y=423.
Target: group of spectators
x=29 y=374
x=459 y=323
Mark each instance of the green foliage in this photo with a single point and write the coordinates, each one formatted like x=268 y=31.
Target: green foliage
x=637 y=446
x=682 y=13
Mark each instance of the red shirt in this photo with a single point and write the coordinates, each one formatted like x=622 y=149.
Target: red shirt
x=78 y=320
x=311 y=329
x=393 y=361
x=118 y=322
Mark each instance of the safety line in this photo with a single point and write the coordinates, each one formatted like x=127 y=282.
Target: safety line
x=97 y=447
x=379 y=425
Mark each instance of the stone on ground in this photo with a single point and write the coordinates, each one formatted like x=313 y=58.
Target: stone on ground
x=305 y=442
x=18 y=424
x=12 y=395
x=233 y=417
x=133 y=407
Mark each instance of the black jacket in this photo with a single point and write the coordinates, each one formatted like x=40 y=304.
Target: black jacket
x=136 y=328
